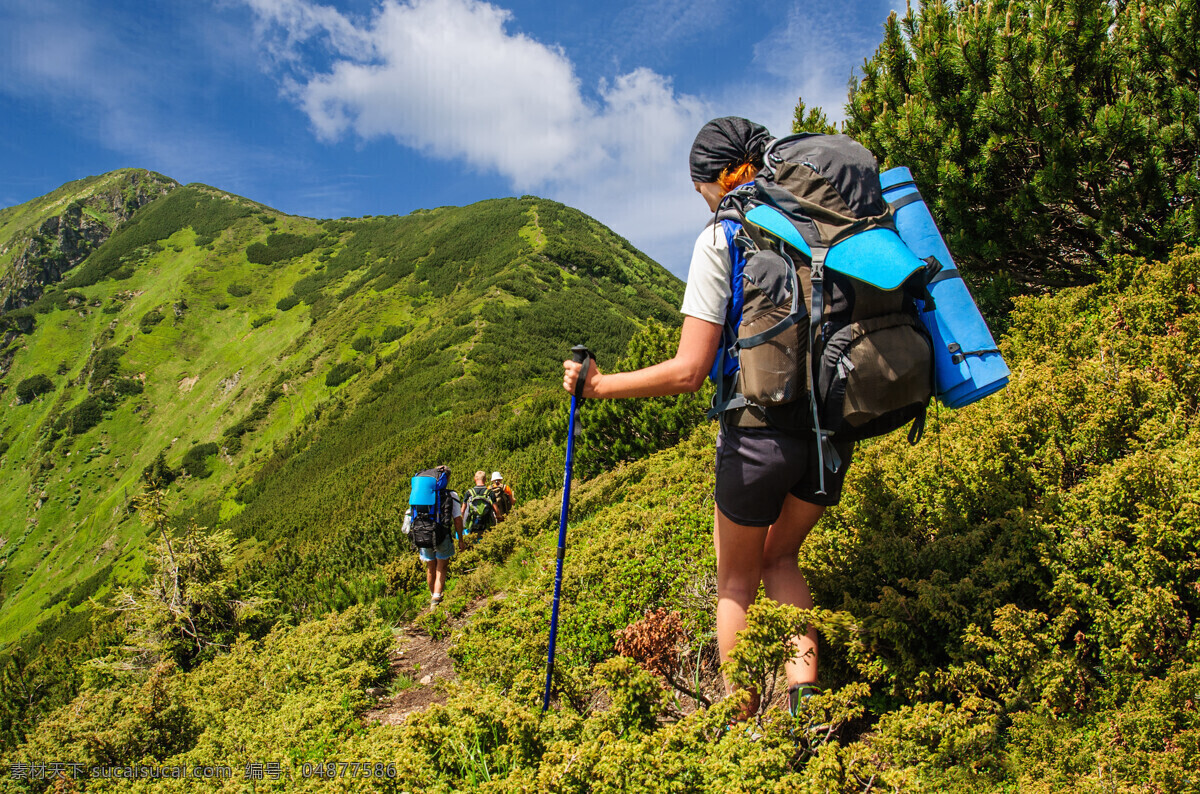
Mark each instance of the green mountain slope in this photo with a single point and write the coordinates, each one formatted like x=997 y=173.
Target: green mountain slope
x=293 y=373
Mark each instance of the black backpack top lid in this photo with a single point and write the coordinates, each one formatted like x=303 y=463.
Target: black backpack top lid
x=841 y=175
x=827 y=188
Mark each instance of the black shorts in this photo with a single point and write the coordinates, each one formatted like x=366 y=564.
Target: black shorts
x=757 y=467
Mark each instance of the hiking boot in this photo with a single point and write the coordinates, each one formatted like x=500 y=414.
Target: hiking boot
x=797 y=694
x=798 y=707
x=434 y=600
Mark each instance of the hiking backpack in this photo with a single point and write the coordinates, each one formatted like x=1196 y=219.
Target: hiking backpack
x=478 y=511
x=502 y=498
x=823 y=331
x=431 y=508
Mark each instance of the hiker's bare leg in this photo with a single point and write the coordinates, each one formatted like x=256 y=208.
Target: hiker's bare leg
x=739 y=569
x=439 y=581
x=431 y=575
x=783 y=581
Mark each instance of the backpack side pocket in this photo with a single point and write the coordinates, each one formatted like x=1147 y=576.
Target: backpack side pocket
x=874 y=376
x=772 y=346
x=427 y=533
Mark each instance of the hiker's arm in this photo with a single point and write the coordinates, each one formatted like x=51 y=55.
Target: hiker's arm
x=684 y=373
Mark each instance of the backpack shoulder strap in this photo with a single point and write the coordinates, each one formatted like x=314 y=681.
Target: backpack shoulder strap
x=725 y=367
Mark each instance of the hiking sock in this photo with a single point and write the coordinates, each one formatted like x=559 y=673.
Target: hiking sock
x=435 y=599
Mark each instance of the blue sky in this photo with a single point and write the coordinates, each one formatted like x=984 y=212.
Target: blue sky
x=367 y=107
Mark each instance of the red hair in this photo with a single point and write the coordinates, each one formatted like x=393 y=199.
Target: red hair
x=735 y=175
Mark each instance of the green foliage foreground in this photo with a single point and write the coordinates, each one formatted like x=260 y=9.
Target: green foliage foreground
x=1008 y=606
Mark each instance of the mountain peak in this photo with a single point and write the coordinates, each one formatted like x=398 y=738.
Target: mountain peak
x=45 y=237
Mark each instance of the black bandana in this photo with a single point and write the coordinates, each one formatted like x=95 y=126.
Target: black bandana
x=725 y=142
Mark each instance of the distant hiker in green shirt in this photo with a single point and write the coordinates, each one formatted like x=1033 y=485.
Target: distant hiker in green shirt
x=766 y=478
x=479 y=511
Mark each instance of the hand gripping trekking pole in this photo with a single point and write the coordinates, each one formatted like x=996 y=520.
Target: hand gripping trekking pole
x=582 y=356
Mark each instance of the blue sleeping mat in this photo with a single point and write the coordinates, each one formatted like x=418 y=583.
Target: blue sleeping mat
x=967 y=365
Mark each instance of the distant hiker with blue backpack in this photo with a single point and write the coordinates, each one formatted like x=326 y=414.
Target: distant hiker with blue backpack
x=810 y=314
x=432 y=523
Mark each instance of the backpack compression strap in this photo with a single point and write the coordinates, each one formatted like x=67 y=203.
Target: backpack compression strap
x=827 y=455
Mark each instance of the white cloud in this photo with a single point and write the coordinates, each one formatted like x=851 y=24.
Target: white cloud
x=442 y=76
x=449 y=79
x=297 y=21
x=446 y=77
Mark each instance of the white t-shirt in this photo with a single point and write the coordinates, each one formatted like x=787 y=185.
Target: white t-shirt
x=708 y=290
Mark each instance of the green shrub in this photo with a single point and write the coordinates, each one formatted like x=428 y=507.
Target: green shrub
x=89 y=586
x=238 y=290
x=287 y=302
x=280 y=247
x=195 y=461
x=149 y=320
x=124 y=387
x=159 y=474
x=192 y=606
x=83 y=417
x=105 y=363
x=392 y=333
x=33 y=387
x=362 y=343
x=341 y=373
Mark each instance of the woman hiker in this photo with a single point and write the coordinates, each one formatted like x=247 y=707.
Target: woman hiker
x=766 y=478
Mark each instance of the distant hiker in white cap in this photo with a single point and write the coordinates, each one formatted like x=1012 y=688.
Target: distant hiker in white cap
x=502 y=496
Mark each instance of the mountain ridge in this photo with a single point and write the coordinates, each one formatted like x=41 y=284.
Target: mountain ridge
x=235 y=341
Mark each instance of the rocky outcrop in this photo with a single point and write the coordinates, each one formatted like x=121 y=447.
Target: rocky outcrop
x=47 y=251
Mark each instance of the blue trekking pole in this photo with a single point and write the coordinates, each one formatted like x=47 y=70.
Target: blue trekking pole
x=582 y=356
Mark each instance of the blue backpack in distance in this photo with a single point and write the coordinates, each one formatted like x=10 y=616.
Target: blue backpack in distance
x=431 y=508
